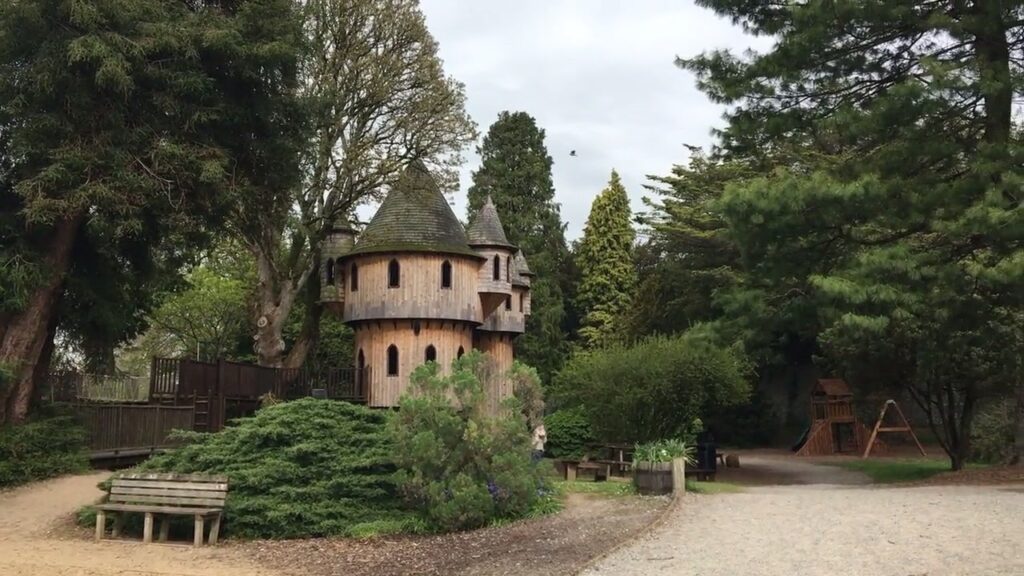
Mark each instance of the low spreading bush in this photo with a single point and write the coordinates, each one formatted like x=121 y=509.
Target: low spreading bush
x=461 y=466
x=298 y=469
x=569 y=433
x=654 y=389
x=992 y=435
x=44 y=447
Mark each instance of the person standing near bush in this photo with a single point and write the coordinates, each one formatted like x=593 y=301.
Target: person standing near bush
x=540 y=436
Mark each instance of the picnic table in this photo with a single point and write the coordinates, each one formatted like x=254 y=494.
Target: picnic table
x=618 y=456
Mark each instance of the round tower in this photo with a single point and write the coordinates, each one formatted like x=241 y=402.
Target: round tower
x=410 y=290
x=339 y=242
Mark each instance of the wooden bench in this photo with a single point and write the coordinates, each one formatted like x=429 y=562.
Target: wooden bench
x=198 y=495
x=572 y=467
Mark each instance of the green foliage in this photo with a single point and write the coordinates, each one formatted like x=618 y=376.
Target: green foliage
x=515 y=172
x=891 y=470
x=992 y=435
x=654 y=389
x=889 y=229
x=608 y=277
x=663 y=451
x=569 y=433
x=299 y=469
x=41 y=448
x=207 y=317
x=461 y=467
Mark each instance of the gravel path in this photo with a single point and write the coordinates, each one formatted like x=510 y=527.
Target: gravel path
x=833 y=529
x=35 y=540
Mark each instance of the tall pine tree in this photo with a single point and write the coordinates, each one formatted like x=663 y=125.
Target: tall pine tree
x=516 y=173
x=608 y=277
x=913 y=198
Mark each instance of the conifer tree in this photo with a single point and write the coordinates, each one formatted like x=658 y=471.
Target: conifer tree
x=902 y=233
x=608 y=277
x=515 y=172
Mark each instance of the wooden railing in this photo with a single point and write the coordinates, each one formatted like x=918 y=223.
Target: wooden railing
x=182 y=379
x=131 y=429
x=71 y=386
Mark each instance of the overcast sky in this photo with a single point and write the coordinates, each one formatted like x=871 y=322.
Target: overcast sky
x=597 y=75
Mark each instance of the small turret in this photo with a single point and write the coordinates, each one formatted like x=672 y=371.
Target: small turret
x=340 y=239
x=487 y=237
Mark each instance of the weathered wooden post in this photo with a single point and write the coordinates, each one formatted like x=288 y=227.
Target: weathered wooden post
x=678 y=476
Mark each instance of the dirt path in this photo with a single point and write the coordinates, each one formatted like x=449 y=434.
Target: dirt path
x=35 y=540
x=833 y=526
x=549 y=546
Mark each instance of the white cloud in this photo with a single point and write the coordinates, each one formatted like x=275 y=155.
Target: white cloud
x=597 y=75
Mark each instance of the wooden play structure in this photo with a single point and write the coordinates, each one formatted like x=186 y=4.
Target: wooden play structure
x=835 y=428
x=900 y=429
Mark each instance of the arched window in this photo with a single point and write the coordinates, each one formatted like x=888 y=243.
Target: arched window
x=392 y=360
x=330 y=271
x=354 y=278
x=497 y=267
x=431 y=355
x=508 y=268
x=461 y=352
x=508 y=302
x=360 y=371
x=446 y=274
x=394 y=274
x=339 y=273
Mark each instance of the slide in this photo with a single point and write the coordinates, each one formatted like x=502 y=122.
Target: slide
x=803 y=440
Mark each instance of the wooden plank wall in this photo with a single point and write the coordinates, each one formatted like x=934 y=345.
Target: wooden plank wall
x=131 y=426
x=499 y=347
x=419 y=294
x=374 y=338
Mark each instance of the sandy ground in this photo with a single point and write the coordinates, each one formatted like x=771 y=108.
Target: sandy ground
x=824 y=521
x=35 y=540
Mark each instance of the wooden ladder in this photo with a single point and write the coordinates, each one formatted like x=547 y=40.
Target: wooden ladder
x=201 y=413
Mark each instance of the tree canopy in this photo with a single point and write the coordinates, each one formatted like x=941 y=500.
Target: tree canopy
x=515 y=172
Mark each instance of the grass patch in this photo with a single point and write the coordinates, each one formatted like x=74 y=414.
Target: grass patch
x=698 y=487
x=609 y=488
x=893 y=470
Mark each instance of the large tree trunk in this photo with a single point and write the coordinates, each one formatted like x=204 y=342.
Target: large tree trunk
x=27 y=331
x=275 y=297
x=309 y=336
x=1017 y=458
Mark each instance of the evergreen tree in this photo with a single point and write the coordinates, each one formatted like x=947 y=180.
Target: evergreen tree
x=903 y=233
x=608 y=277
x=515 y=172
x=129 y=125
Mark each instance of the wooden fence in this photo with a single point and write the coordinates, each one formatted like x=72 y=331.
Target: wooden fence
x=131 y=429
x=175 y=380
x=71 y=386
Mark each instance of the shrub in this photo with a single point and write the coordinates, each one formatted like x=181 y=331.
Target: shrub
x=44 y=447
x=569 y=433
x=663 y=451
x=298 y=469
x=992 y=435
x=460 y=466
x=654 y=389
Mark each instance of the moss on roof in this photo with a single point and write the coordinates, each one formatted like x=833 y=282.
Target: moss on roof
x=486 y=228
x=414 y=217
x=521 y=266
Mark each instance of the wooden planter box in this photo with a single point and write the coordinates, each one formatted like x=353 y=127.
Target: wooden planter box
x=653 y=477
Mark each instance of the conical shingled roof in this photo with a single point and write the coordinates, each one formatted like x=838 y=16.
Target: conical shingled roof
x=521 y=265
x=414 y=217
x=486 y=228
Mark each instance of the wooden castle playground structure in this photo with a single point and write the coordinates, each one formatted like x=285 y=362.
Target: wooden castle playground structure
x=835 y=428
